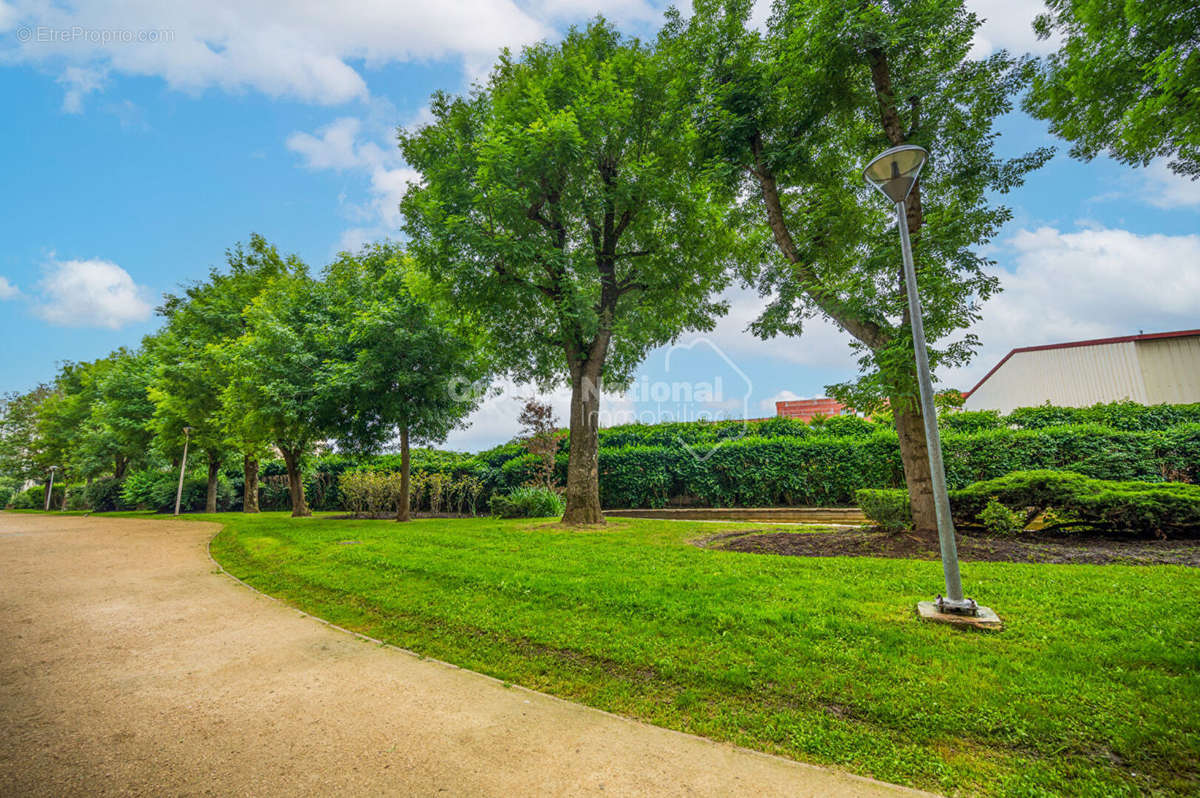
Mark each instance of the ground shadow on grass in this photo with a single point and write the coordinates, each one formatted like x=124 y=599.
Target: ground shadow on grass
x=972 y=547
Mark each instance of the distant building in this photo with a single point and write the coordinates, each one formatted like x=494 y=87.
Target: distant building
x=1156 y=368
x=806 y=409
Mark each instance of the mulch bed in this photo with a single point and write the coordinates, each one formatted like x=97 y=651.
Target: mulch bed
x=1030 y=548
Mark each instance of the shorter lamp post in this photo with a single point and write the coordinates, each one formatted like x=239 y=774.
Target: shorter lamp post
x=50 y=490
x=894 y=173
x=187 y=431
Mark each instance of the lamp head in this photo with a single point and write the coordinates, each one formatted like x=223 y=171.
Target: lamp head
x=187 y=430
x=894 y=171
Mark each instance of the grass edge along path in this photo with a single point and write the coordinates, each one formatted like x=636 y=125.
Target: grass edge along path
x=1094 y=687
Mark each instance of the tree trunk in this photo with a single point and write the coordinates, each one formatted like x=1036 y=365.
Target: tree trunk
x=291 y=458
x=250 y=490
x=402 y=504
x=119 y=465
x=910 y=427
x=214 y=470
x=583 y=467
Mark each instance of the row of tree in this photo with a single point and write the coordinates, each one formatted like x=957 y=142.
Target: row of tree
x=260 y=356
x=590 y=199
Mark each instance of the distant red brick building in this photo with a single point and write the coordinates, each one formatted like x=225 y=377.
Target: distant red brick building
x=806 y=409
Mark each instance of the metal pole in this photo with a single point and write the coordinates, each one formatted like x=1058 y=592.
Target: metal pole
x=182 y=468
x=49 y=491
x=933 y=441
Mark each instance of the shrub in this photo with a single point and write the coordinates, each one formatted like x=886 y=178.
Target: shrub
x=76 y=498
x=999 y=520
x=889 y=509
x=528 y=503
x=6 y=494
x=104 y=495
x=1144 y=509
x=34 y=498
x=149 y=489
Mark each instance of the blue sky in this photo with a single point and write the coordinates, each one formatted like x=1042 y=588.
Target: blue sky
x=130 y=166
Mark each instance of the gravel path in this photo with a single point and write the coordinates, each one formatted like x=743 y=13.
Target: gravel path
x=130 y=665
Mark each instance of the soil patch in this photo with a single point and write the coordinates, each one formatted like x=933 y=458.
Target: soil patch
x=1030 y=548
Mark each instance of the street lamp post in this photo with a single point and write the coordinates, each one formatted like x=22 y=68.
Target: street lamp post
x=187 y=431
x=894 y=173
x=50 y=490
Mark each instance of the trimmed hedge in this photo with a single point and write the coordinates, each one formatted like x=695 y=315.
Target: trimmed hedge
x=1075 y=501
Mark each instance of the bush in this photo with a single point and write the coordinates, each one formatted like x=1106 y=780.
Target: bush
x=6 y=494
x=35 y=498
x=889 y=509
x=155 y=490
x=104 y=495
x=999 y=520
x=527 y=503
x=1143 y=509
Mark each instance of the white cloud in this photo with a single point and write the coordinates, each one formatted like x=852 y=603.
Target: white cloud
x=1008 y=24
x=340 y=146
x=1091 y=283
x=8 y=290
x=90 y=293
x=80 y=82
x=1163 y=188
x=767 y=406
x=823 y=343
x=495 y=421
x=302 y=51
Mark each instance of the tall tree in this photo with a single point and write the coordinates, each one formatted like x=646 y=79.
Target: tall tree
x=792 y=115
x=399 y=364
x=21 y=446
x=122 y=411
x=279 y=372
x=192 y=371
x=558 y=205
x=1126 y=80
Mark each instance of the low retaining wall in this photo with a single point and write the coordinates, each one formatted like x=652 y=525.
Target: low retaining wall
x=794 y=515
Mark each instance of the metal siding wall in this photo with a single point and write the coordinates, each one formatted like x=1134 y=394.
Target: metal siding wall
x=1076 y=376
x=1171 y=369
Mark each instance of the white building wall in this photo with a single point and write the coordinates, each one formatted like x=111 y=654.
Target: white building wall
x=1171 y=369
x=1076 y=376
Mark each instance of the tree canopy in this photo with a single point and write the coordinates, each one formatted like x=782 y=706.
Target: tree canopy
x=790 y=116
x=1125 y=80
x=559 y=206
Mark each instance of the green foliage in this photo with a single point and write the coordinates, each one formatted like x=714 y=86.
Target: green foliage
x=1145 y=509
x=103 y=495
x=396 y=361
x=1123 y=81
x=22 y=448
x=560 y=206
x=527 y=502
x=999 y=520
x=1008 y=503
x=790 y=115
x=153 y=489
x=1118 y=415
x=33 y=498
x=970 y=421
x=8 y=489
x=889 y=509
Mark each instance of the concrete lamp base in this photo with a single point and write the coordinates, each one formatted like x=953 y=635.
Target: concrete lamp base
x=985 y=619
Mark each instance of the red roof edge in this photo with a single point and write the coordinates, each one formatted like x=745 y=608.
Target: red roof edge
x=1124 y=339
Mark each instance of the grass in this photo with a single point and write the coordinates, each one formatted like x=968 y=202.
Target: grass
x=1092 y=689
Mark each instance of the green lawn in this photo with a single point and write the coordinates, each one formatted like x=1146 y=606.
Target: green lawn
x=1092 y=689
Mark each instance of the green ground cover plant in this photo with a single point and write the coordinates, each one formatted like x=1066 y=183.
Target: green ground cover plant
x=1073 y=502
x=1093 y=687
